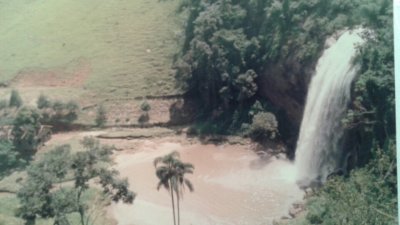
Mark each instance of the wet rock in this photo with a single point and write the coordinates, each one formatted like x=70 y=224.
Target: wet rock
x=281 y=156
x=306 y=183
x=285 y=85
x=298 y=205
x=293 y=212
x=285 y=218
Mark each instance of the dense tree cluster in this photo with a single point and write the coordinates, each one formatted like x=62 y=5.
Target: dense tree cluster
x=58 y=114
x=230 y=43
x=43 y=194
x=25 y=130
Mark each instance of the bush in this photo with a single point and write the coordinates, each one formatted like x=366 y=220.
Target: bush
x=264 y=125
x=101 y=116
x=58 y=114
x=367 y=196
x=8 y=156
x=3 y=104
x=43 y=102
x=25 y=130
x=15 y=99
x=145 y=106
x=144 y=118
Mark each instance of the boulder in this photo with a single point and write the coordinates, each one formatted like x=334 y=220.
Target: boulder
x=293 y=212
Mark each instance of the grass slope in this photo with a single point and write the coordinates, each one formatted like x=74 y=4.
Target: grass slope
x=123 y=48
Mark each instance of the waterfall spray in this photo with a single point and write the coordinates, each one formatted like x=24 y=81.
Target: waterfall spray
x=319 y=150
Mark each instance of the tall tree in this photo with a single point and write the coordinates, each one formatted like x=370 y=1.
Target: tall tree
x=171 y=174
x=15 y=99
x=182 y=182
x=101 y=116
x=25 y=130
x=43 y=193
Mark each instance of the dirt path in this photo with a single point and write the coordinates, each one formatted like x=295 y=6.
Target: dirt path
x=232 y=186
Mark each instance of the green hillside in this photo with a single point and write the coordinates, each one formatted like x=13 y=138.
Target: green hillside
x=109 y=48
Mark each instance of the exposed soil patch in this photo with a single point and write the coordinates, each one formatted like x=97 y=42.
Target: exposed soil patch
x=73 y=74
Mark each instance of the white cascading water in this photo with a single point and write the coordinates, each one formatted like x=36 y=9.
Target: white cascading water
x=319 y=147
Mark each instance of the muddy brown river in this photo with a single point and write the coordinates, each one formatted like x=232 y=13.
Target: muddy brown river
x=232 y=185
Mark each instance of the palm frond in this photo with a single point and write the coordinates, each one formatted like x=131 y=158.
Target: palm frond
x=157 y=160
x=189 y=185
x=162 y=184
x=162 y=172
x=175 y=154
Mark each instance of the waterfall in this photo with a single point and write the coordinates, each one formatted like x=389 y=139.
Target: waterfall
x=319 y=150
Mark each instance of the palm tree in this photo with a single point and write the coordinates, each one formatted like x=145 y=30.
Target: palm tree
x=182 y=169
x=171 y=175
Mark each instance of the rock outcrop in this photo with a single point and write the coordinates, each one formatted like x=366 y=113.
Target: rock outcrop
x=285 y=86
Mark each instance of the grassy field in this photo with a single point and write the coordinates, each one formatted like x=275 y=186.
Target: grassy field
x=94 y=49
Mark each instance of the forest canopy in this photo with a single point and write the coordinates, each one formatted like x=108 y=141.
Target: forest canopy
x=230 y=44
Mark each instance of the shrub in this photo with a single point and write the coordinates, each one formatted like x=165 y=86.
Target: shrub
x=145 y=106
x=8 y=156
x=144 y=118
x=15 y=99
x=25 y=130
x=367 y=196
x=264 y=125
x=101 y=116
x=3 y=104
x=58 y=114
x=72 y=109
x=43 y=102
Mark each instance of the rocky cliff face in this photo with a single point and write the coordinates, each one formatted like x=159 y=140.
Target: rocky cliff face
x=285 y=85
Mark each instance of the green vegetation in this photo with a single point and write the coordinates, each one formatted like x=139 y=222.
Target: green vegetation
x=15 y=99
x=3 y=104
x=58 y=114
x=44 y=194
x=144 y=117
x=9 y=157
x=171 y=174
x=229 y=44
x=263 y=126
x=372 y=116
x=145 y=106
x=121 y=49
x=43 y=102
x=25 y=131
x=227 y=47
x=367 y=196
x=101 y=116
